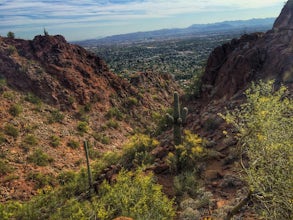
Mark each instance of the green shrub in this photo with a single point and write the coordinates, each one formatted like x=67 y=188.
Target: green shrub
x=30 y=97
x=93 y=153
x=114 y=113
x=9 y=210
x=134 y=195
x=2 y=138
x=136 y=152
x=106 y=160
x=41 y=180
x=162 y=121
x=5 y=168
x=265 y=126
x=54 y=141
x=194 y=88
x=9 y=95
x=11 y=130
x=187 y=154
x=74 y=209
x=82 y=126
x=186 y=183
x=11 y=50
x=39 y=158
x=15 y=110
x=66 y=177
x=131 y=101
x=104 y=139
x=55 y=116
x=29 y=141
x=112 y=124
x=3 y=83
x=73 y=144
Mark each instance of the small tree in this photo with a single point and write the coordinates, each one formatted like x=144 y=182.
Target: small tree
x=10 y=35
x=265 y=125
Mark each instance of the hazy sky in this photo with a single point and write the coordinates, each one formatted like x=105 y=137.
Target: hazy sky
x=85 y=19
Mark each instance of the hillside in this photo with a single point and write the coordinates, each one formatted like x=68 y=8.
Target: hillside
x=54 y=95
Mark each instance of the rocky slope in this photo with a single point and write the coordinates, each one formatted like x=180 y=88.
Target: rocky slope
x=232 y=66
x=229 y=71
x=54 y=95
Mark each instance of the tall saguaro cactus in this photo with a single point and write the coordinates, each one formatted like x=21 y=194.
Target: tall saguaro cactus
x=177 y=119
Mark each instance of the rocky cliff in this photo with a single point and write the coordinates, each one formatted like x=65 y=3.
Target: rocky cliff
x=58 y=72
x=232 y=66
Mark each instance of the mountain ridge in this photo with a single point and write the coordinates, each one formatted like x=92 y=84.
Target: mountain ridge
x=250 y=25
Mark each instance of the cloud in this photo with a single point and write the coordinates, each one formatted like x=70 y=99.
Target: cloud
x=61 y=13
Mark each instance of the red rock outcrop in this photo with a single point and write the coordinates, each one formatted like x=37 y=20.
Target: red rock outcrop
x=232 y=66
x=58 y=72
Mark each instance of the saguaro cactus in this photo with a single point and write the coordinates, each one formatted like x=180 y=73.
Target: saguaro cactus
x=177 y=119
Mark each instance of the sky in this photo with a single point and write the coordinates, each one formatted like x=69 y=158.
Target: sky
x=89 y=19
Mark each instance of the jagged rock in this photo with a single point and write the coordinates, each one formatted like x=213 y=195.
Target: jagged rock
x=232 y=66
x=285 y=20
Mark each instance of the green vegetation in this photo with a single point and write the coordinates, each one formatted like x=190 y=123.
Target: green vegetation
x=2 y=138
x=42 y=180
x=186 y=184
x=193 y=89
x=136 y=152
x=131 y=102
x=183 y=58
x=265 y=126
x=15 y=110
x=5 y=168
x=29 y=141
x=82 y=126
x=187 y=154
x=66 y=177
x=3 y=83
x=11 y=35
x=30 y=97
x=73 y=144
x=11 y=50
x=54 y=141
x=103 y=138
x=115 y=113
x=112 y=123
x=55 y=116
x=134 y=195
x=39 y=158
x=11 y=130
x=162 y=121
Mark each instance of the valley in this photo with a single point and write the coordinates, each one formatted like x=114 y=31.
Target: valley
x=182 y=57
x=194 y=127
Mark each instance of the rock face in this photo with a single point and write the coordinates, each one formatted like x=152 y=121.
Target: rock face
x=57 y=71
x=232 y=66
x=285 y=20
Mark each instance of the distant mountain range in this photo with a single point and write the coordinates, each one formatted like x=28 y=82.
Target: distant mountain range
x=251 y=25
